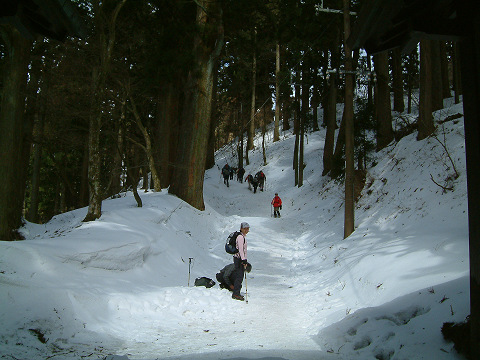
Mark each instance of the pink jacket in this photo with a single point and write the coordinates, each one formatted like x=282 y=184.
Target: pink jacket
x=242 y=247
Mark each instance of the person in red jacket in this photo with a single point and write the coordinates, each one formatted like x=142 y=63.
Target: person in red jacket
x=277 y=205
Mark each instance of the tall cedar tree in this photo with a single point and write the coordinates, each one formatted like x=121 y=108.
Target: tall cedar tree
x=11 y=129
x=194 y=133
x=382 y=101
x=105 y=35
x=425 y=119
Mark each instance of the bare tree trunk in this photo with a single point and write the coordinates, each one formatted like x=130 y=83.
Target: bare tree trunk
x=425 y=118
x=382 y=101
x=99 y=77
x=276 y=130
x=189 y=173
x=398 y=104
x=349 y=224
x=118 y=155
x=210 y=161
x=264 y=130
x=166 y=131
x=444 y=65
x=148 y=147
x=251 y=127
x=303 y=118
x=436 y=74
x=83 y=195
x=14 y=71
x=315 y=101
x=330 y=119
x=370 y=86
x=240 y=137
x=470 y=55
x=457 y=87
x=133 y=174
x=296 y=128
x=37 y=159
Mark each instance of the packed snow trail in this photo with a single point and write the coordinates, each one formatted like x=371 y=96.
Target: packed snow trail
x=118 y=286
x=276 y=321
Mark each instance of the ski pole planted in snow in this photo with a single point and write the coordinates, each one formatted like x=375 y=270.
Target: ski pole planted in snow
x=189 y=263
x=246 y=290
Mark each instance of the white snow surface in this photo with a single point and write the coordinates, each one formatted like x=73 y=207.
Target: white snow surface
x=122 y=287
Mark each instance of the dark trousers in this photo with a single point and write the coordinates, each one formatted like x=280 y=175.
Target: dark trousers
x=239 y=273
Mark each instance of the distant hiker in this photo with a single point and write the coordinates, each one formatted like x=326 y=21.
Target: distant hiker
x=277 y=205
x=226 y=174
x=252 y=181
x=240 y=261
x=240 y=173
x=261 y=179
x=226 y=276
x=232 y=171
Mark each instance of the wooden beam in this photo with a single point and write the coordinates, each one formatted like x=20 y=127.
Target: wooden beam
x=470 y=68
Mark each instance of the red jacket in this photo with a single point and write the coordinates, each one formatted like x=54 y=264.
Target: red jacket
x=277 y=202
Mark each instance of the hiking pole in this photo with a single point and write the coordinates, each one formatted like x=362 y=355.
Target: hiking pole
x=271 y=210
x=246 y=290
x=189 y=263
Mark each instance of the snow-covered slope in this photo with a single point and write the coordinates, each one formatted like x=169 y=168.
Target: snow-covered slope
x=123 y=285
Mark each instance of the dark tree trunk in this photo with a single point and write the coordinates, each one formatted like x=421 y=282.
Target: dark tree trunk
x=83 y=196
x=382 y=101
x=196 y=115
x=106 y=38
x=286 y=113
x=115 y=187
x=425 y=118
x=457 y=86
x=264 y=130
x=166 y=131
x=330 y=118
x=276 y=131
x=12 y=107
x=37 y=160
x=398 y=104
x=210 y=161
x=470 y=60
x=251 y=124
x=240 y=137
x=436 y=73
x=444 y=64
x=148 y=147
x=349 y=222
x=331 y=121
x=370 y=83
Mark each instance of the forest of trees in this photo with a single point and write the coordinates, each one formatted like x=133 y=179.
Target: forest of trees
x=156 y=87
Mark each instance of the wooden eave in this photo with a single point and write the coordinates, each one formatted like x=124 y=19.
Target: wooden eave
x=386 y=24
x=55 y=19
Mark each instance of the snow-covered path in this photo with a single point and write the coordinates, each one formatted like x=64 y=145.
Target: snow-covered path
x=118 y=286
x=179 y=321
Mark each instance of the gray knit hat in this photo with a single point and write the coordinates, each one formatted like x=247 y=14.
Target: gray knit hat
x=244 y=225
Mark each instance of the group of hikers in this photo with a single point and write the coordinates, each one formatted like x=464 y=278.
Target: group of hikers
x=232 y=275
x=257 y=181
x=228 y=172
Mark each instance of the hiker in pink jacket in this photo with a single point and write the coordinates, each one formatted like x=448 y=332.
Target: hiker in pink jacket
x=240 y=261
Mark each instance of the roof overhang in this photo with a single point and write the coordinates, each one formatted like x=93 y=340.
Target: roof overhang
x=387 y=24
x=56 y=19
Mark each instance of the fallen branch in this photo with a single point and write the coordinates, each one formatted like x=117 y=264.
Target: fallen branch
x=443 y=187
